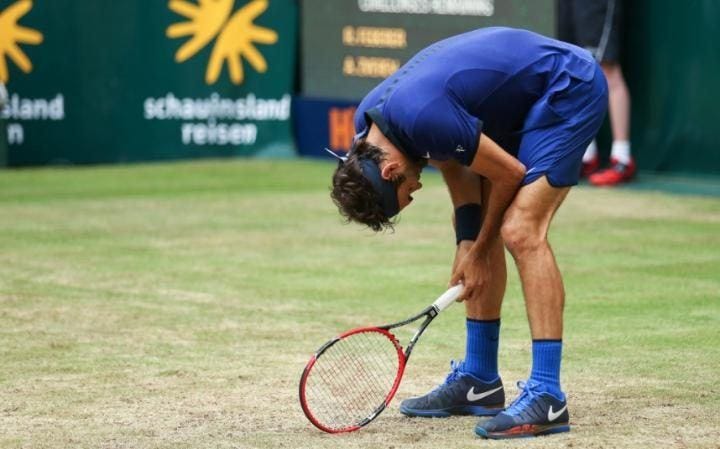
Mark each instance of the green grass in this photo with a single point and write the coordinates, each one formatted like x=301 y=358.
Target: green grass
x=175 y=305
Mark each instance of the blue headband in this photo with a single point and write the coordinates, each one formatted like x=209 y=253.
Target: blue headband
x=386 y=189
x=388 y=201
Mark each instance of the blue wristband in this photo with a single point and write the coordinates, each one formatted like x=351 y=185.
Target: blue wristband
x=467 y=222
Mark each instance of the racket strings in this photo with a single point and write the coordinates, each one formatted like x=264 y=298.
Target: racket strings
x=354 y=384
x=351 y=379
x=351 y=386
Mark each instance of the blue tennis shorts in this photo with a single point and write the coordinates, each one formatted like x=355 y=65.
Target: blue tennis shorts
x=560 y=126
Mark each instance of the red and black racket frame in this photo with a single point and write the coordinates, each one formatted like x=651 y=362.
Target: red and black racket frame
x=429 y=313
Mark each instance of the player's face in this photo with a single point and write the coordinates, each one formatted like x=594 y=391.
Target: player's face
x=410 y=185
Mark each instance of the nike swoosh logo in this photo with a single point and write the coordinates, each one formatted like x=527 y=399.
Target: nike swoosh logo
x=472 y=397
x=552 y=416
x=530 y=171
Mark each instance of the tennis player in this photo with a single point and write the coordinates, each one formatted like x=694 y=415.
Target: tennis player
x=505 y=115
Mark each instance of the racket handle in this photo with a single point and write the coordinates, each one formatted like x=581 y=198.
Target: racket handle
x=447 y=298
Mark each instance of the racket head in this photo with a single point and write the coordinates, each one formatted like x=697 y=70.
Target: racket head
x=350 y=380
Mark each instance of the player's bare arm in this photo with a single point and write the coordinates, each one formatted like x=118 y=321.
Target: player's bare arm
x=505 y=174
x=469 y=193
x=464 y=187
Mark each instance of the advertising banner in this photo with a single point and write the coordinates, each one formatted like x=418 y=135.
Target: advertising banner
x=108 y=81
x=321 y=124
x=3 y=133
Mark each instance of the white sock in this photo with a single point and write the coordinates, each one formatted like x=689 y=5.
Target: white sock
x=590 y=152
x=621 y=151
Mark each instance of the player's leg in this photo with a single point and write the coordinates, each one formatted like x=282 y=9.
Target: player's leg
x=525 y=231
x=490 y=303
x=553 y=156
x=541 y=407
x=473 y=385
x=483 y=314
x=483 y=320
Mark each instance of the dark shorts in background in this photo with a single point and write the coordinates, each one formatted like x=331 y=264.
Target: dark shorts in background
x=554 y=148
x=595 y=25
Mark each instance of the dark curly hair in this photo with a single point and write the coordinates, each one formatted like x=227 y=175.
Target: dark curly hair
x=354 y=196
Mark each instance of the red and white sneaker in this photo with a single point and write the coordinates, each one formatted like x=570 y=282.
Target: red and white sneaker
x=590 y=167
x=615 y=174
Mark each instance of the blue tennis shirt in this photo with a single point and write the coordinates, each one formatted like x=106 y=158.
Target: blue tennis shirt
x=503 y=82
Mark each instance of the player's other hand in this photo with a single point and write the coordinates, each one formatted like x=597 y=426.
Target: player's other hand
x=462 y=249
x=473 y=271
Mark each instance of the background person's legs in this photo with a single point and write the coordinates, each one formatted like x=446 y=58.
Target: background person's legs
x=619 y=99
x=622 y=166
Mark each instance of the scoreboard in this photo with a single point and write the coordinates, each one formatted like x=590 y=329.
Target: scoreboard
x=348 y=46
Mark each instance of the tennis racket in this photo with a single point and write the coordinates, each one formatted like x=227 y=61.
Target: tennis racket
x=350 y=380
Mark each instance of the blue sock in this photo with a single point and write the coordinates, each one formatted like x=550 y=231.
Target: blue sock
x=547 y=355
x=481 y=350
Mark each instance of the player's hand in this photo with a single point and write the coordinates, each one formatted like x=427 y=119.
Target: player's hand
x=473 y=271
x=462 y=249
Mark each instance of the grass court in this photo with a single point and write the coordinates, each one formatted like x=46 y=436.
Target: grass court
x=175 y=305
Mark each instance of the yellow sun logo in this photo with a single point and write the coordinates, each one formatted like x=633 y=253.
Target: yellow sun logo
x=236 y=35
x=12 y=34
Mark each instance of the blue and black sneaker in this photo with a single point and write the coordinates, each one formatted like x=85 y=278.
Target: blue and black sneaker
x=535 y=412
x=460 y=394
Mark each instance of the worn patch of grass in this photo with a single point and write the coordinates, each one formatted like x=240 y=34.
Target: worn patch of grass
x=174 y=305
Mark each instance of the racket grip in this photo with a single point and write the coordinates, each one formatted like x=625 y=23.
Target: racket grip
x=447 y=298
